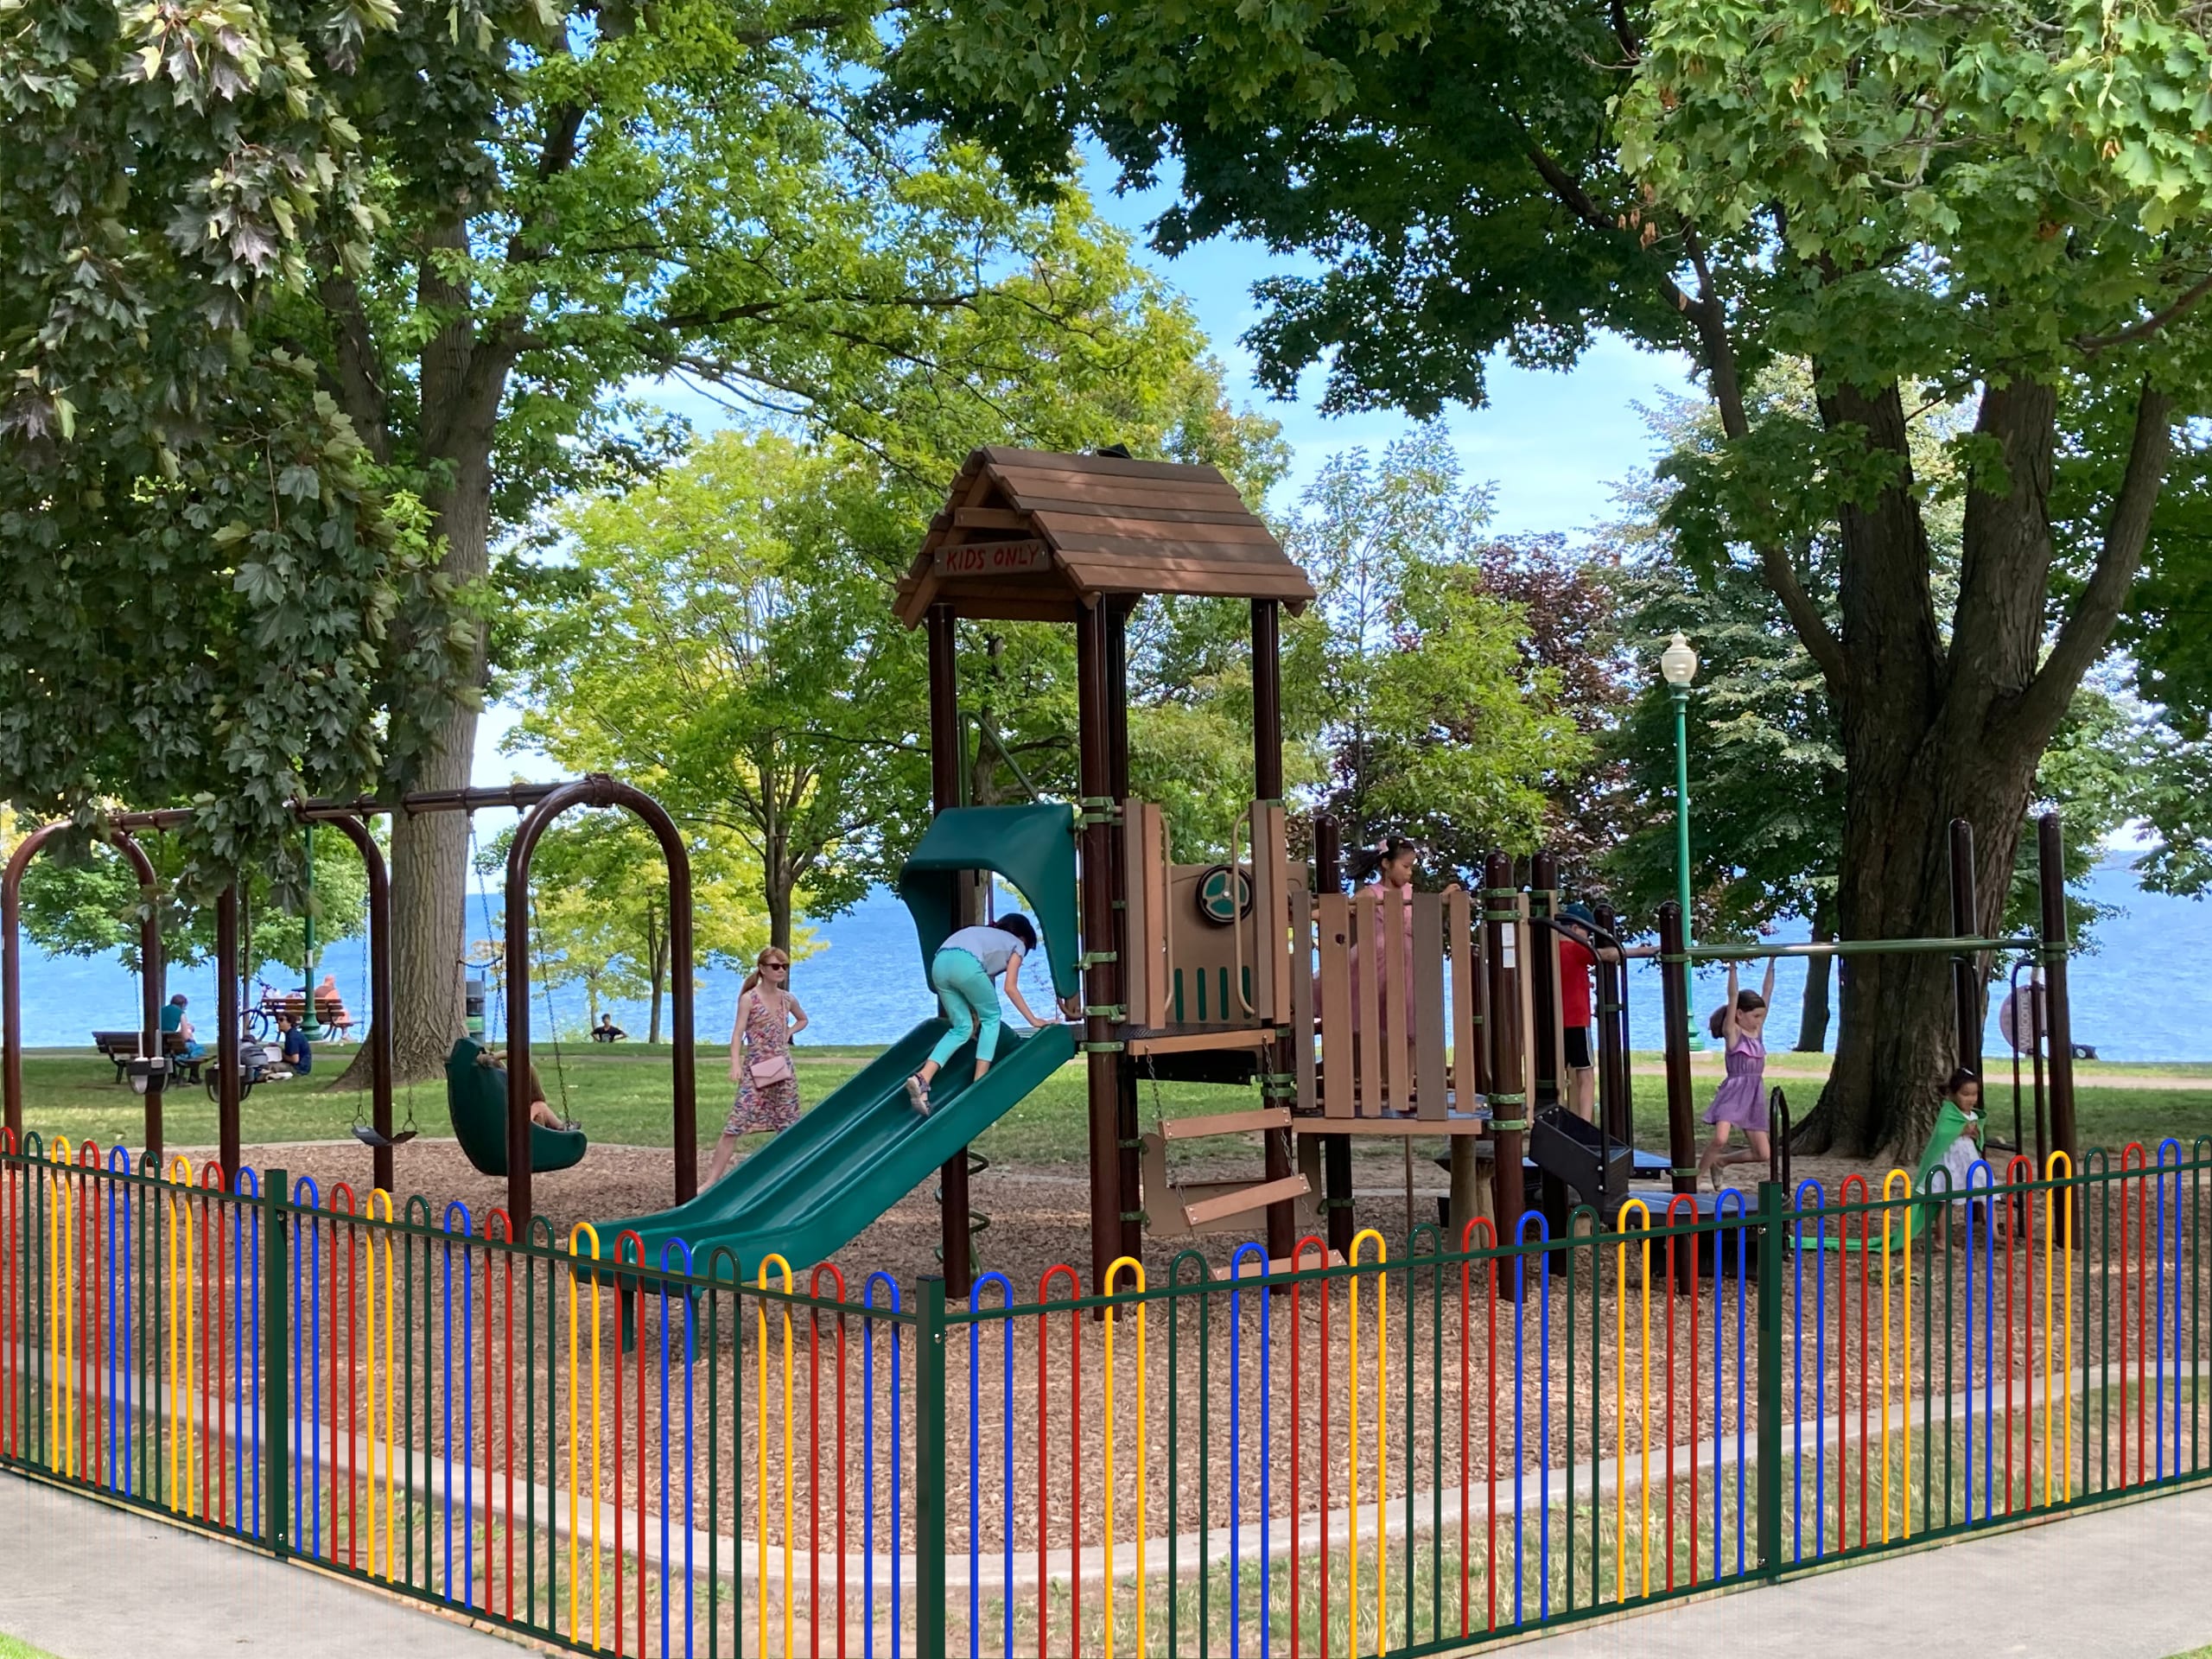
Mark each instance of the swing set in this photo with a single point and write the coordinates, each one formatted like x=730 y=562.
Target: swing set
x=496 y=1134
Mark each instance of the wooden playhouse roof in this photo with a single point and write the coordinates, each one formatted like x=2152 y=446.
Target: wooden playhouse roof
x=1031 y=534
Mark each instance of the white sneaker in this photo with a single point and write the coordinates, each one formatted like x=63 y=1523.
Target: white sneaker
x=918 y=1093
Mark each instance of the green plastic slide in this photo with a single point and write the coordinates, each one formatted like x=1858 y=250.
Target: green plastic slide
x=810 y=1191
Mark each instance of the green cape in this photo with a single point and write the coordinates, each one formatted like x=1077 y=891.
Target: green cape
x=1950 y=1124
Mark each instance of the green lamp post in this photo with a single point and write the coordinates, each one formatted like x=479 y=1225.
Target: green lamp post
x=1678 y=667
x=311 y=1028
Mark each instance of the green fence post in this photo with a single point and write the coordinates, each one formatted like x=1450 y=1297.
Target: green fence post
x=929 y=1475
x=1774 y=1199
x=275 y=1346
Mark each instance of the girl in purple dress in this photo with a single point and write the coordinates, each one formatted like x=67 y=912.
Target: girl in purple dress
x=1741 y=1102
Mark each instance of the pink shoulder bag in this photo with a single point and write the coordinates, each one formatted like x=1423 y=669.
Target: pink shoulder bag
x=771 y=1069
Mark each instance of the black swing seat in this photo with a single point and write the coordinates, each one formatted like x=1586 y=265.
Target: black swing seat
x=368 y=1135
x=476 y=1095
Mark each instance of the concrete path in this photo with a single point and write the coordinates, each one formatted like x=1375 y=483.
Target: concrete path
x=87 y=1581
x=2120 y=1584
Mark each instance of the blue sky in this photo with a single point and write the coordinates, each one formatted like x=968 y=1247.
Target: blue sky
x=1551 y=445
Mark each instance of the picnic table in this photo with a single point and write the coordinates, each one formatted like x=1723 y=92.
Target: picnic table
x=124 y=1047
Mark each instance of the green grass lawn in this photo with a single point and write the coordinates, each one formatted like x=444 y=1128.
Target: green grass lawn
x=622 y=1096
x=11 y=1649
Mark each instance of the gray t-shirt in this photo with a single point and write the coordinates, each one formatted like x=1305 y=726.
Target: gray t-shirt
x=990 y=945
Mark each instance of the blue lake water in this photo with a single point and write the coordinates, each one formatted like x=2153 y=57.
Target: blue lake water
x=864 y=985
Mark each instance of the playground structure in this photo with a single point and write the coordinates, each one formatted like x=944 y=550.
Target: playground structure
x=1582 y=1396
x=1219 y=971
x=1253 y=968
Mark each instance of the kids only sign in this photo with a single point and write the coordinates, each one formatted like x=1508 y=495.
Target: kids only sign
x=993 y=558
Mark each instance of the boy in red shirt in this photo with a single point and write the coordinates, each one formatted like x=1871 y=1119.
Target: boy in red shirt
x=1576 y=963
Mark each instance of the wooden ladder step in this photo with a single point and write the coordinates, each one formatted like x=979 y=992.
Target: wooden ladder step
x=1250 y=1270
x=1192 y=1128
x=1246 y=1198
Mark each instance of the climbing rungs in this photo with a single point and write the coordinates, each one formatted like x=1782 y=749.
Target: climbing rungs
x=1194 y=1128
x=1249 y=1198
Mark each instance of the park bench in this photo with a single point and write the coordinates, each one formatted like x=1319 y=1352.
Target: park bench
x=329 y=1011
x=122 y=1047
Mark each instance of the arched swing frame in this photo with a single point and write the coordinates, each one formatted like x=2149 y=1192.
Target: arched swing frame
x=151 y=969
x=539 y=803
x=598 y=791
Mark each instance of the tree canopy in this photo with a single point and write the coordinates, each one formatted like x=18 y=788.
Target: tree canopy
x=1412 y=674
x=84 y=901
x=724 y=633
x=2000 y=208
x=305 y=307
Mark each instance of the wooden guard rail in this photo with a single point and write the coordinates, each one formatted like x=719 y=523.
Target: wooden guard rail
x=1387 y=1010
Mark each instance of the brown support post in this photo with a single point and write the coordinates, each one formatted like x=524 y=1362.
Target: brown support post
x=1267 y=785
x=1509 y=1104
x=227 y=1014
x=2058 y=1021
x=1336 y=1149
x=151 y=980
x=1674 y=983
x=1091 y=650
x=1127 y=1134
x=11 y=985
x=1543 y=977
x=381 y=1037
x=1966 y=970
x=1616 y=1101
x=944 y=635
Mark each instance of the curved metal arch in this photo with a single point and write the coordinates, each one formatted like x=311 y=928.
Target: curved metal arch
x=381 y=1037
x=11 y=969
x=600 y=790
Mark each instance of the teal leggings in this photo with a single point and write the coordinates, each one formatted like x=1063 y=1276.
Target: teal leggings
x=970 y=999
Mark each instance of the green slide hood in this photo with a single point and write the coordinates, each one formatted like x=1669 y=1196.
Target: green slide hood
x=1032 y=847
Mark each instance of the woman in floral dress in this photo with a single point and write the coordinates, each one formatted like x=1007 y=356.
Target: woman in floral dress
x=768 y=1017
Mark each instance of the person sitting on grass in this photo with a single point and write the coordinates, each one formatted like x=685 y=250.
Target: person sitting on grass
x=965 y=973
x=292 y=1038
x=540 y=1114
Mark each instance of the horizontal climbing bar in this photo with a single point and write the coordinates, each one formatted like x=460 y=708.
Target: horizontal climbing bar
x=1857 y=948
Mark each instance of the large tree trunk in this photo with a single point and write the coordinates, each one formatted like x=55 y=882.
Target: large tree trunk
x=463 y=382
x=778 y=893
x=1935 y=730
x=1813 y=1011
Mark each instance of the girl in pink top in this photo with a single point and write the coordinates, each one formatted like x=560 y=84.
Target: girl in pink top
x=1393 y=878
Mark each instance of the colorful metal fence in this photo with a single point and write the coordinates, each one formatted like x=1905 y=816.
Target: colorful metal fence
x=1404 y=1453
